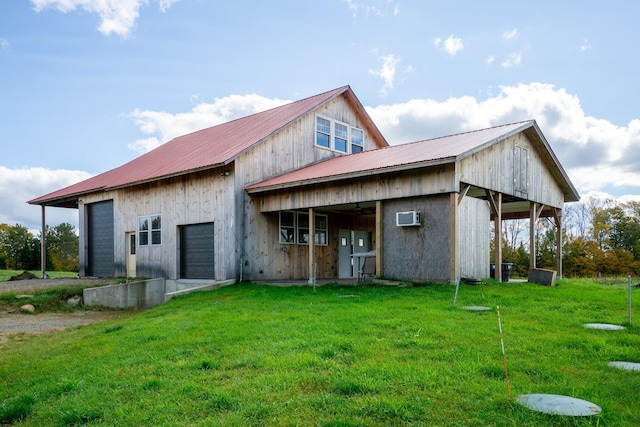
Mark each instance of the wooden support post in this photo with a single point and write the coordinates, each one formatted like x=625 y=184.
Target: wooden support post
x=43 y=247
x=495 y=202
x=312 y=246
x=498 y=240
x=378 y=245
x=557 y=214
x=533 y=218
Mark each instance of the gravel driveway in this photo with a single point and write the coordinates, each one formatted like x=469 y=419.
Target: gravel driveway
x=17 y=323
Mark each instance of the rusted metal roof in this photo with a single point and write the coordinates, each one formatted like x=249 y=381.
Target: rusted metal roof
x=428 y=152
x=204 y=149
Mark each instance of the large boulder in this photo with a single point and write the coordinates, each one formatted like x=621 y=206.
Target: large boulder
x=28 y=308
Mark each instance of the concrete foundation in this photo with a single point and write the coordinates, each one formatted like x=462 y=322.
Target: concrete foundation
x=142 y=294
x=145 y=293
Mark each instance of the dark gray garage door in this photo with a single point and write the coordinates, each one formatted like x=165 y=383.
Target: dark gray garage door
x=100 y=251
x=196 y=251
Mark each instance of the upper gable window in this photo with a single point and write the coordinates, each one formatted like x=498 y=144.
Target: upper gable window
x=338 y=136
x=323 y=132
x=357 y=140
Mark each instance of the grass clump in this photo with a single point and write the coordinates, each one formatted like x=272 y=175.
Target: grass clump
x=254 y=355
x=14 y=409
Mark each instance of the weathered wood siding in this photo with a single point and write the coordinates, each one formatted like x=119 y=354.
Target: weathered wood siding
x=291 y=261
x=190 y=199
x=261 y=256
x=473 y=237
x=420 y=182
x=418 y=253
x=493 y=168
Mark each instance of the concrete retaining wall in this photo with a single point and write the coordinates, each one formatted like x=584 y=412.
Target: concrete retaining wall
x=142 y=294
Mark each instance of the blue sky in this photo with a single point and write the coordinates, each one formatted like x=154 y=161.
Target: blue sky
x=88 y=85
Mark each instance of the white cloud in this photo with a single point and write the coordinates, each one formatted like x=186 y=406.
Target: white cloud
x=585 y=45
x=116 y=16
x=352 y=7
x=514 y=58
x=452 y=45
x=490 y=59
x=597 y=154
x=377 y=10
x=17 y=186
x=387 y=72
x=509 y=35
x=4 y=44
x=162 y=126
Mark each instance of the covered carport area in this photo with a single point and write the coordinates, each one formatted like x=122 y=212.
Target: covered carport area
x=505 y=207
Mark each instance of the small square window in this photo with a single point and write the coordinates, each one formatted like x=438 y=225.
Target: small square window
x=287 y=227
x=341 y=138
x=294 y=228
x=156 y=229
x=143 y=231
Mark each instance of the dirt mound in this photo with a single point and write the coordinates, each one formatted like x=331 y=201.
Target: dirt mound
x=25 y=275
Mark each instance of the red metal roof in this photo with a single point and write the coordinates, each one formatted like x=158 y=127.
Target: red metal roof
x=431 y=151
x=207 y=148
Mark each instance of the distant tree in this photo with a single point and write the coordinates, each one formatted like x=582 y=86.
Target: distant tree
x=624 y=231
x=15 y=242
x=545 y=246
x=62 y=246
x=578 y=257
x=4 y=257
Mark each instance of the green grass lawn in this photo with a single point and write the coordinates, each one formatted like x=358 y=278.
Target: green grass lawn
x=250 y=355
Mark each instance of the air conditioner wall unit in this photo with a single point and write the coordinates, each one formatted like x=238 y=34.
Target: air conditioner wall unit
x=408 y=219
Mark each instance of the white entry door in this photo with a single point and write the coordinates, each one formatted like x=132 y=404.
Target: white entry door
x=131 y=254
x=351 y=242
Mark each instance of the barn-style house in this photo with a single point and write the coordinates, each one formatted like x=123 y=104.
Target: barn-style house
x=294 y=192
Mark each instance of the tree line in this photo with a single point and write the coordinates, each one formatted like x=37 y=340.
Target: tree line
x=600 y=237
x=20 y=249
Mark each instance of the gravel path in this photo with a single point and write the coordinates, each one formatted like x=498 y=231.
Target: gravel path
x=20 y=323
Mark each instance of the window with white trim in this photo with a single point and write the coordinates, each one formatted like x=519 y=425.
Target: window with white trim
x=294 y=228
x=357 y=140
x=338 y=136
x=150 y=230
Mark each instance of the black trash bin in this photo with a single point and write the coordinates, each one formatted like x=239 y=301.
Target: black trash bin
x=492 y=270
x=506 y=271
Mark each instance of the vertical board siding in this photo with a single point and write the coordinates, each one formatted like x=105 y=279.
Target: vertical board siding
x=291 y=261
x=262 y=256
x=473 y=237
x=201 y=197
x=436 y=180
x=493 y=168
